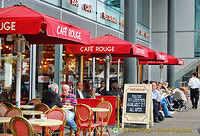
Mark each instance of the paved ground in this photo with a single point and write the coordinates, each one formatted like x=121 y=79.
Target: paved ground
x=183 y=124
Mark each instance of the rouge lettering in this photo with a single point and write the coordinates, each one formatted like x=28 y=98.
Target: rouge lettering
x=105 y=49
x=7 y=26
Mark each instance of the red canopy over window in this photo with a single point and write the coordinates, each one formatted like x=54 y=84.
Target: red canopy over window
x=108 y=44
x=38 y=28
x=170 y=60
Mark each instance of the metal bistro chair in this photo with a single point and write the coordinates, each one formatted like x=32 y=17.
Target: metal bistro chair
x=12 y=112
x=59 y=114
x=8 y=104
x=84 y=115
x=3 y=110
x=103 y=117
x=35 y=101
x=41 y=107
x=21 y=127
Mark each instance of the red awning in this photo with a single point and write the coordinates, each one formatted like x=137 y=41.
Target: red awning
x=152 y=54
x=171 y=60
x=38 y=28
x=108 y=44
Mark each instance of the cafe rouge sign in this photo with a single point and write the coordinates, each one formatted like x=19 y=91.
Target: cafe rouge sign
x=97 y=49
x=61 y=31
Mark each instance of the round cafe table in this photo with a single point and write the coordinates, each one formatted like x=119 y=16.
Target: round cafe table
x=5 y=120
x=65 y=107
x=45 y=123
x=31 y=112
x=27 y=106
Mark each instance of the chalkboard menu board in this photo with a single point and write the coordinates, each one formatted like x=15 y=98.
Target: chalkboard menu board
x=136 y=103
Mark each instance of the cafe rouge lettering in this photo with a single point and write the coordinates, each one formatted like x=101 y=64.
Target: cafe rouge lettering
x=108 y=18
x=74 y=3
x=92 y=49
x=64 y=31
x=7 y=26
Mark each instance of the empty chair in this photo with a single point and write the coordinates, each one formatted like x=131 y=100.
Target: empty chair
x=59 y=114
x=103 y=117
x=84 y=116
x=12 y=112
x=41 y=107
x=8 y=104
x=3 y=109
x=35 y=101
x=21 y=127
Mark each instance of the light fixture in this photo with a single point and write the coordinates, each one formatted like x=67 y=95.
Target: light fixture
x=9 y=38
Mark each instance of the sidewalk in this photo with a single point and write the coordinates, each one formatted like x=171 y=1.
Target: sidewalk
x=187 y=121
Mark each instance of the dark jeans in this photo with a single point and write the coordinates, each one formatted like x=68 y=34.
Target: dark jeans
x=194 y=96
x=155 y=108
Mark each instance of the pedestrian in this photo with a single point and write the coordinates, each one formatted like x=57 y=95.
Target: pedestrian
x=194 y=84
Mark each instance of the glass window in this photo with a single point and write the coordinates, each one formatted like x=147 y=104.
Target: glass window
x=107 y=15
x=197 y=28
x=143 y=12
x=54 y=2
x=44 y=68
x=8 y=61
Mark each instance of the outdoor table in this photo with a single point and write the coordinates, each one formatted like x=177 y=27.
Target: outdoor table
x=27 y=106
x=65 y=107
x=45 y=123
x=31 y=112
x=5 y=120
x=98 y=110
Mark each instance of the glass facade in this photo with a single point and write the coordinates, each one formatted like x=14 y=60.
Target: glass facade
x=197 y=28
x=8 y=62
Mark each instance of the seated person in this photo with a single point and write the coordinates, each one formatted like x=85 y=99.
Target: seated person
x=79 y=91
x=163 y=102
x=102 y=89
x=51 y=97
x=166 y=96
x=67 y=96
x=88 y=90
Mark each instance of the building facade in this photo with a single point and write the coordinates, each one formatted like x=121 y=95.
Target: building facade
x=44 y=64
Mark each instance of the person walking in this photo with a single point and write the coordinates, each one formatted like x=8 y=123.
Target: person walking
x=194 y=84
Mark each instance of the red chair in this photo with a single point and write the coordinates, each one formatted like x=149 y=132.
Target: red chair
x=59 y=114
x=12 y=112
x=8 y=104
x=84 y=122
x=113 y=101
x=104 y=117
x=35 y=101
x=21 y=127
x=3 y=109
x=40 y=107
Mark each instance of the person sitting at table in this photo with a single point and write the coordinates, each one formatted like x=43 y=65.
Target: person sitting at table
x=163 y=102
x=67 y=96
x=79 y=91
x=88 y=90
x=102 y=89
x=51 y=97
